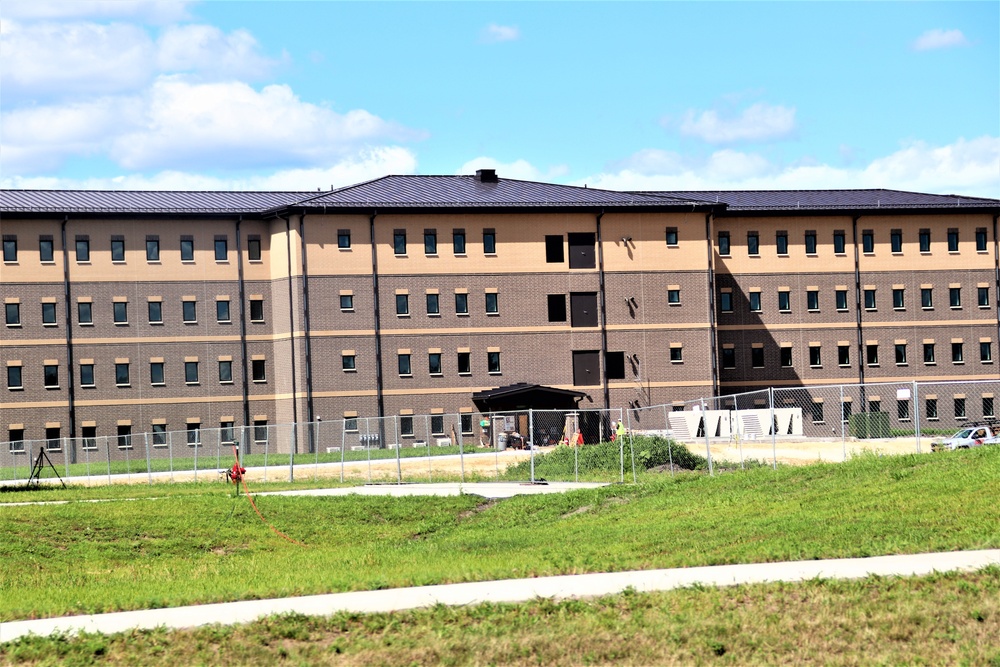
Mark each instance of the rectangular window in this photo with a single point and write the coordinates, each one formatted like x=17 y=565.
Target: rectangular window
x=492 y=303
x=985 y=352
x=812 y=299
x=347 y=302
x=402 y=304
x=925 y=240
x=868 y=241
x=253 y=248
x=614 y=365
x=874 y=406
x=187 y=248
x=9 y=248
x=86 y=375
x=221 y=248
x=493 y=362
x=464 y=363
x=434 y=363
x=156 y=373
x=728 y=357
x=117 y=248
x=159 y=435
x=929 y=353
x=348 y=362
x=191 y=372
x=122 y=375
x=430 y=242
x=724 y=249
x=843 y=355
x=781 y=243
x=958 y=353
x=926 y=297
x=841 y=296
x=351 y=424
x=988 y=409
x=466 y=420
x=869 y=299
x=983 y=297
x=406 y=425
x=673 y=296
x=227 y=434
x=194 y=434
x=256 y=310
x=839 y=242
x=784 y=302
x=930 y=408
x=676 y=355
x=952 y=240
x=757 y=357
x=726 y=302
x=403 y=364
x=85 y=312
x=433 y=304
x=13 y=314
x=225 y=372
x=14 y=379
x=581 y=251
x=810 y=243
x=785 y=357
x=152 y=248
x=260 y=431
x=124 y=436
x=903 y=410
x=121 y=312
x=155 y=309
x=981 y=239
x=344 y=238
x=896 y=240
x=845 y=411
x=222 y=310
x=46 y=250
x=753 y=243
x=871 y=354
x=671 y=236
x=583 y=309
x=955 y=297
x=489 y=241
x=461 y=303
x=898 y=301
x=815 y=356
x=48 y=314
x=190 y=311
x=83 y=248
x=437 y=424
x=817 y=413
x=458 y=241
x=554 y=249
x=257 y=370
x=754 y=302
x=900 y=354
x=16 y=438
x=399 y=242
x=959 y=408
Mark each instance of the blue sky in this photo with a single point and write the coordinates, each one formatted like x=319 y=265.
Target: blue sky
x=649 y=95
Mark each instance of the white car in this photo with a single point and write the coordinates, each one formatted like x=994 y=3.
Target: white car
x=973 y=436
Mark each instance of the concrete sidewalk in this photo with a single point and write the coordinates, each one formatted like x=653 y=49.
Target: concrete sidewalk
x=511 y=590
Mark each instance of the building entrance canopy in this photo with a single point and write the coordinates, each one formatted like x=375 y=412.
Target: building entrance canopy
x=524 y=396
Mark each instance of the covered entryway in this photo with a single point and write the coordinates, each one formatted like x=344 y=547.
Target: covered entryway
x=524 y=396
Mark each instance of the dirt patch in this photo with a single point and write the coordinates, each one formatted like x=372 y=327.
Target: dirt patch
x=578 y=510
x=481 y=507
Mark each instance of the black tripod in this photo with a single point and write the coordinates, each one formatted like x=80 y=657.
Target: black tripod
x=36 y=470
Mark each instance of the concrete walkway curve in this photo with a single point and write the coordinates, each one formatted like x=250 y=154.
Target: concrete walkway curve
x=510 y=590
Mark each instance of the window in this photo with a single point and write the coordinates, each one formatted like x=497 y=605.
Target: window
x=671 y=236
x=841 y=296
x=583 y=309
x=402 y=304
x=728 y=357
x=900 y=354
x=253 y=248
x=190 y=311
x=581 y=251
x=896 y=240
x=430 y=242
x=403 y=364
x=489 y=241
x=724 y=244
x=348 y=362
x=614 y=365
x=869 y=299
x=845 y=411
x=955 y=297
x=121 y=312
x=48 y=314
x=221 y=248
x=14 y=379
x=985 y=352
x=492 y=303
x=815 y=356
x=983 y=297
x=556 y=307
x=926 y=297
x=554 y=250
x=952 y=240
x=152 y=248
x=981 y=239
x=673 y=296
x=898 y=301
x=351 y=424
x=437 y=424
x=903 y=410
x=959 y=408
x=86 y=375
x=46 y=250
x=781 y=243
x=757 y=357
x=187 y=249
x=812 y=299
x=191 y=372
x=257 y=370
x=15 y=436
x=958 y=353
x=839 y=242
x=83 y=248
x=225 y=371
x=753 y=243
x=85 y=312
x=51 y=376
x=13 y=311
x=52 y=439
x=868 y=241
x=260 y=431
x=466 y=426
x=930 y=408
x=399 y=242
x=464 y=363
x=817 y=413
x=194 y=434
x=458 y=241
x=406 y=425
x=227 y=434
x=347 y=302
x=256 y=310
x=810 y=243
x=676 y=355
x=434 y=363
x=117 y=248
x=156 y=373
x=9 y=248
x=344 y=238
x=433 y=304
x=89 y=434
x=755 y=302
x=988 y=408
x=871 y=354
x=874 y=406
x=155 y=309
x=726 y=302
x=929 y=353
x=925 y=240
x=784 y=301
x=493 y=362
x=461 y=303
x=124 y=436
x=785 y=357
x=843 y=355
x=222 y=310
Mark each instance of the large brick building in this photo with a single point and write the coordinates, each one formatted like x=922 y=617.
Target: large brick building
x=154 y=311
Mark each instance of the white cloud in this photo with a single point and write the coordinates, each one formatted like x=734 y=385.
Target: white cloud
x=521 y=170
x=494 y=33
x=759 y=122
x=968 y=167
x=939 y=39
x=206 y=49
x=154 y=11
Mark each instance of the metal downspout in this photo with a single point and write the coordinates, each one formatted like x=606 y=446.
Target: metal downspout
x=604 y=315
x=379 y=398
x=291 y=338
x=712 y=328
x=996 y=275
x=244 y=357
x=71 y=379
x=310 y=415
x=857 y=304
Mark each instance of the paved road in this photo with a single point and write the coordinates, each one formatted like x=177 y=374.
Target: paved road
x=511 y=590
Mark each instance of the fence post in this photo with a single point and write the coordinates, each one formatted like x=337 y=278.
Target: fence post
x=708 y=449
x=107 y=449
x=343 y=444
x=66 y=453
x=531 y=420
x=670 y=440
x=774 y=444
x=314 y=429
x=631 y=444
x=291 y=451
x=461 y=449
x=427 y=441
x=170 y=453
x=916 y=413
x=149 y=462
x=843 y=434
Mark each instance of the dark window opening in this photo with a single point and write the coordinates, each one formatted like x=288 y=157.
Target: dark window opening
x=554 y=250
x=614 y=365
x=557 y=307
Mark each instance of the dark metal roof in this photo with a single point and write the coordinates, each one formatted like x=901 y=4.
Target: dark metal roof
x=813 y=200
x=126 y=201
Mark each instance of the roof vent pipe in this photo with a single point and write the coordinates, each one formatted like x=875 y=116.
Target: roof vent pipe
x=487 y=176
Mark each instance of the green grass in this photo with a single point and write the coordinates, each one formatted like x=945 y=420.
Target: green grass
x=188 y=547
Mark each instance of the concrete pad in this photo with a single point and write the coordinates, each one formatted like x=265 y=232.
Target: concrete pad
x=484 y=489
x=510 y=590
